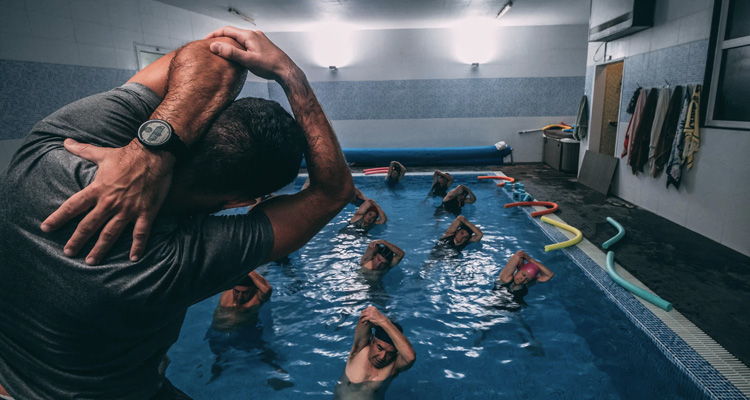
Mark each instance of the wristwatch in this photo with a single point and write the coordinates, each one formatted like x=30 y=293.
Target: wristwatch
x=157 y=134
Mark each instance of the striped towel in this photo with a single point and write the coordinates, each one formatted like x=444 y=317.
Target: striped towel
x=692 y=125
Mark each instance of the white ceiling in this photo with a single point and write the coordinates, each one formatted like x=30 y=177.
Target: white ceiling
x=299 y=15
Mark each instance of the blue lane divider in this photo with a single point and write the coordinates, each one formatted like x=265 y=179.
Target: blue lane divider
x=616 y=238
x=650 y=297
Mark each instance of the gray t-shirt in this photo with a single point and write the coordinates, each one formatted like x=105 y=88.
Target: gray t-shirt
x=69 y=330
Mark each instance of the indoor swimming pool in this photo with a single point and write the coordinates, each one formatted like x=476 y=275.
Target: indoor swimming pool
x=566 y=340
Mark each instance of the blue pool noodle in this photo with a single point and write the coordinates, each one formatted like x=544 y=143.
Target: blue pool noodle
x=616 y=238
x=650 y=297
x=470 y=155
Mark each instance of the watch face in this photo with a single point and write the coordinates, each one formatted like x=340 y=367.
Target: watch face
x=155 y=132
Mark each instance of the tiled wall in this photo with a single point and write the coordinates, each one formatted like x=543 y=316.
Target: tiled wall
x=711 y=194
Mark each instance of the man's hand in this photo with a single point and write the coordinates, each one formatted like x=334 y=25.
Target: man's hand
x=261 y=56
x=373 y=316
x=130 y=185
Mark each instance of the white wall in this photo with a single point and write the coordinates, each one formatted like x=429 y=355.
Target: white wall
x=713 y=193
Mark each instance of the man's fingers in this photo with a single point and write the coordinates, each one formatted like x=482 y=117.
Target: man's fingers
x=140 y=237
x=107 y=238
x=228 y=31
x=229 y=52
x=86 y=229
x=75 y=205
x=87 y=151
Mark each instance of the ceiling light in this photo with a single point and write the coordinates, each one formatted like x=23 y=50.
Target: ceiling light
x=504 y=10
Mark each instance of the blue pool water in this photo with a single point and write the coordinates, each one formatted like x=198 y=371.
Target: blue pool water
x=568 y=342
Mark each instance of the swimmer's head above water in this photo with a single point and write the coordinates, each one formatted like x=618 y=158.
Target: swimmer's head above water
x=383 y=258
x=526 y=273
x=382 y=351
x=370 y=216
x=244 y=291
x=463 y=234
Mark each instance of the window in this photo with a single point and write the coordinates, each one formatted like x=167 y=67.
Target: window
x=148 y=54
x=729 y=90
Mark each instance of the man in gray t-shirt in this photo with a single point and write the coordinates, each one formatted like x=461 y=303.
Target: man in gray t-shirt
x=72 y=330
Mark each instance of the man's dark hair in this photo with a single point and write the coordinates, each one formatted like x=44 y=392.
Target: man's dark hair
x=246 y=281
x=252 y=148
x=382 y=335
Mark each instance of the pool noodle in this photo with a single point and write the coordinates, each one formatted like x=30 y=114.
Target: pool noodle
x=616 y=238
x=376 y=169
x=376 y=172
x=504 y=178
x=648 y=296
x=567 y=243
x=536 y=203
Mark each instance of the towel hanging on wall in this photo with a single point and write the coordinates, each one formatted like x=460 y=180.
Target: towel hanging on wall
x=635 y=120
x=674 y=165
x=666 y=137
x=692 y=126
x=582 y=122
x=661 y=114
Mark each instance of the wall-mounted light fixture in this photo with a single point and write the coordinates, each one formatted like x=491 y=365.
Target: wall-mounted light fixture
x=504 y=10
x=474 y=65
x=475 y=40
x=333 y=44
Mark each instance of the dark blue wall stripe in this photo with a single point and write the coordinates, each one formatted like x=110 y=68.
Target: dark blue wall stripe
x=447 y=98
x=30 y=91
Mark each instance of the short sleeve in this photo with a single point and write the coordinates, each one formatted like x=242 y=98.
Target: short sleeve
x=108 y=119
x=217 y=251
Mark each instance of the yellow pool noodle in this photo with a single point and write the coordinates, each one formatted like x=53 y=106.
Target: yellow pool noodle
x=567 y=243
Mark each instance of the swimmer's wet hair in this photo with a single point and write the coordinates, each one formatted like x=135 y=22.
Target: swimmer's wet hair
x=380 y=333
x=246 y=281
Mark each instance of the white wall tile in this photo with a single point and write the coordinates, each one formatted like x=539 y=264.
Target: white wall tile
x=92 y=33
x=52 y=26
x=688 y=7
x=90 y=10
x=695 y=26
x=97 y=56
x=154 y=25
x=56 y=7
x=665 y=35
x=60 y=52
x=125 y=20
x=158 y=41
x=153 y=9
x=15 y=21
x=20 y=48
x=125 y=38
x=179 y=29
x=126 y=59
x=641 y=42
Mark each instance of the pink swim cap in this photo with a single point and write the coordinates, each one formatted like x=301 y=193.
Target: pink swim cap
x=530 y=268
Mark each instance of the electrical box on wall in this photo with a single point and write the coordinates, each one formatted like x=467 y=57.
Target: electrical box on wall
x=612 y=19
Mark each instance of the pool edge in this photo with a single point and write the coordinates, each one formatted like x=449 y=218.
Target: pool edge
x=715 y=371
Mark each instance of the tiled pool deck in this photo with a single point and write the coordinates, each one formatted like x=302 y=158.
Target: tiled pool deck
x=705 y=362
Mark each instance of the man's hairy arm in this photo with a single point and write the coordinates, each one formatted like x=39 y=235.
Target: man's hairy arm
x=132 y=182
x=296 y=218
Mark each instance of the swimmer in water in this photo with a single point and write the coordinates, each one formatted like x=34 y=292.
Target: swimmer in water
x=381 y=255
x=241 y=304
x=367 y=216
x=520 y=273
x=457 y=198
x=460 y=234
x=395 y=173
x=375 y=359
x=441 y=181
